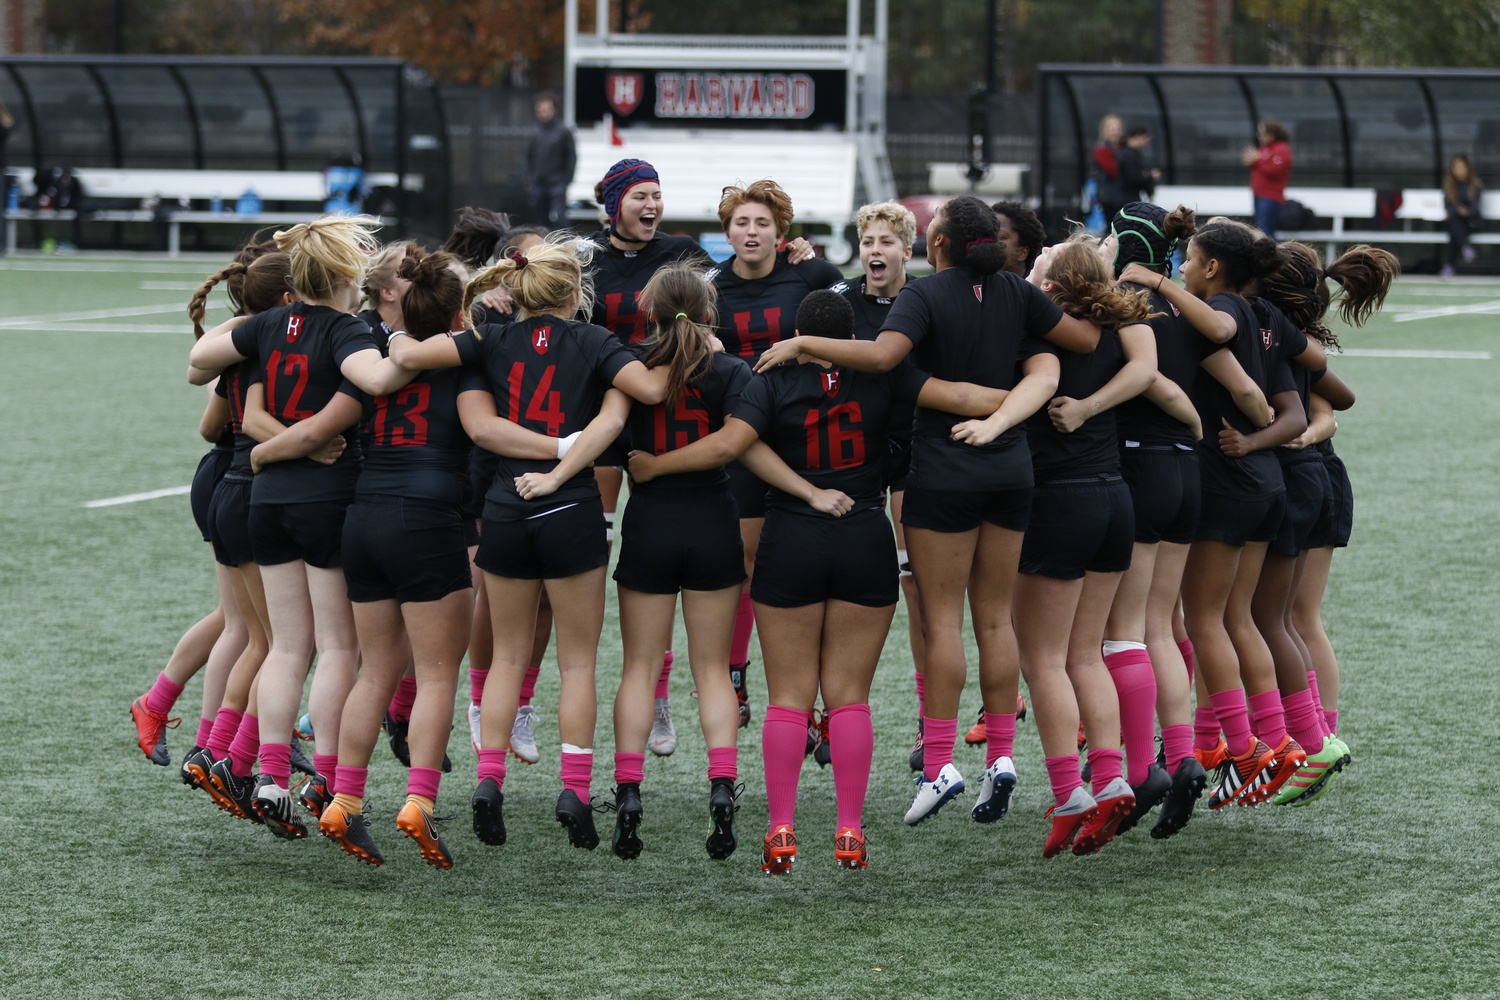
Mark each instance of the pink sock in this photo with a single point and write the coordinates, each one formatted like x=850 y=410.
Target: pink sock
x=723 y=762
x=528 y=685
x=783 y=737
x=1186 y=646
x=276 y=760
x=476 y=685
x=938 y=737
x=1177 y=744
x=1063 y=773
x=205 y=730
x=1303 y=720
x=1205 y=728
x=578 y=772
x=1104 y=767
x=403 y=699
x=1317 y=697
x=492 y=764
x=163 y=694
x=921 y=693
x=421 y=781
x=1331 y=716
x=245 y=745
x=744 y=624
x=852 y=742
x=630 y=768
x=327 y=764
x=1229 y=706
x=662 y=690
x=225 y=725
x=1000 y=736
x=352 y=780
x=1269 y=721
x=1135 y=684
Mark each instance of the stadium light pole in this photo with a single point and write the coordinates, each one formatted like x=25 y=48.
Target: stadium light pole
x=979 y=105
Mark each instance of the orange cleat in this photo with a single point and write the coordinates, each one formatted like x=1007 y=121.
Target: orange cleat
x=348 y=830
x=151 y=731
x=416 y=823
x=779 y=851
x=849 y=849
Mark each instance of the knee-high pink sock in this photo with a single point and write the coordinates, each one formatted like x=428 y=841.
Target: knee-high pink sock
x=744 y=624
x=421 y=781
x=577 y=768
x=1267 y=718
x=163 y=694
x=352 y=780
x=1331 y=716
x=403 y=699
x=245 y=745
x=1229 y=706
x=327 y=764
x=528 y=685
x=921 y=694
x=1177 y=744
x=1062 y=772
x=662 y=689
x=1186 y=646
x=1303 y=720
x=1205 y=728
x=1135 y=684
x=492 y=764
x=276 y=760
x=225 y=725
x=205 y=730
x=630 y=768
x=1317 y=697
x=723 y=762
x=938 y=737
x=1000 y=736
x=783 y=737
x=852 y=743
x=476 y=685
x=1104 y=766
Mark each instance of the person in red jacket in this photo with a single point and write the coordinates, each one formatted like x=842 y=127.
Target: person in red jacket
x=1270 y=168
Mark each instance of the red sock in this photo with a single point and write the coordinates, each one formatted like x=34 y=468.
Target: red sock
x=421 y=781
x=744 y=624
x=723 y=762
x=852 y=742
x=1063 y=773
x=921 y=693
x=476 y=685
x=403 y=699
x=225 y=725
x=578 y=772
x=630 y=768
x=1104 y=766
x=1269 y=721
x=492 y=764
x=1177 y=744
x=352 y=780
x=1205 y=728
x=1303 y=720
x=528 y=685
x=245 y=745
x=1331 y=716
x=938 y=737
x=662 y=690
x=326 y=764
x=276 y=760
x=783 y=738
x=1135 y=684
x=163 y=694
x=1186 y=646
x=1229 y=706
x=1000 y=736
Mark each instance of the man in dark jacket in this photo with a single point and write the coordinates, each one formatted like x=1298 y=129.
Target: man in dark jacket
x=550 y=160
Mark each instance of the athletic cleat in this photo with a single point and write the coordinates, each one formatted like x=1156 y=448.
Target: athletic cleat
x=737 y=672
x=299 y=759
x=994 y=792
x=663 y=738
x=627 y=809
x=578 y=819
x=522 y=739
x=417 y=823
x=823 y=752
x=1066 y=819
x=1312 y=794
x=348 y=830
x=303 y=730
x=489 y=819
x=914 y=759
x=723 y=803
x=1083 y=739
x=1110 y=808
x=814 y=734
x=1241 y=775
x=976 y=734
x=933 y=795
x=231 y=792
x=1148 y=795
x=195 y=767
x=1314 y=774
x=474 y=727
x=779 y=851
x=396 y=730
x=1288 y=760
x=315 y=796
x=151 y=732
x=1210 y=759
x=1188 y=782
x=1020 y=708
x=849 y=849
x=274 y=804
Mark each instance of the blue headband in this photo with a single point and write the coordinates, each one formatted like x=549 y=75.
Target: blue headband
x=621 y=178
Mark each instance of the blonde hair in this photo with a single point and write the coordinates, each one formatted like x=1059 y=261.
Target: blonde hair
x=763 y=192
x=384 y=268
x=545 y=279
x=328 y=252
x=900 y=218
x=1081 y=284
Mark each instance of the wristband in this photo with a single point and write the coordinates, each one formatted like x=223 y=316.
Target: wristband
x=564 y=443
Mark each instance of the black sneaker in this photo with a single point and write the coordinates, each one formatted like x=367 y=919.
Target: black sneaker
x=627 y=807
x=578 y=819
x=396 y=730
x=231 y=792
x=737 y=673
x=299 y=759
x=1148 y=795
x=274 y=804
x=315 y=795
x=823 y=752
x=722 y=806
x=489 y=820
x=1188 y=783
x=914 y=759
x=195 y=767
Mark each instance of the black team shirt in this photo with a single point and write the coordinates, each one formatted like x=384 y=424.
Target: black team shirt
x=1258 y=474
x=1142 y=423
x=233 y=383
x=870 y=312
x=755 y=313
x=695 y=414
x=417 y=448
x=620 y=276
x=1091 y=450
x=1282 y=341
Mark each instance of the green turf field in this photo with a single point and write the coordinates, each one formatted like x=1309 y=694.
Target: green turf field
x=119 y=882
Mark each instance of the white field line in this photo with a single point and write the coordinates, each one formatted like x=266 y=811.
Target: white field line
x=170 y=286
x=1476 y=309
x=48 y=321
x=1380 y=352
x=170 y=491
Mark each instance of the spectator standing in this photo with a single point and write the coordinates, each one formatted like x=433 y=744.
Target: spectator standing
x=1137 y=177
x=1270 y=169
x=1461 y=189
x=550 y=161
x=1110 y=192
x=6 y=123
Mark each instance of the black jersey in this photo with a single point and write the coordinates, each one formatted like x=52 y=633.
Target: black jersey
x=1179 y=349
x=379 y=328
x=1093 y=449
x=298 y=350
x=829 y=425
x=695 y=414
x=234 y=383
x=1282 y=341
x=417 y=447
x=971 y=328
x=755 y=313
x=870 y=312
x=1258 y=474
x=619 y=277
x=548 y=375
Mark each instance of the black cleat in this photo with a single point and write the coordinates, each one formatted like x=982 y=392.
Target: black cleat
x=914 y=759
x=722 y=806
x=274 y=804
x=577 y=818
x=823 y=752
x=348 y=830
x=315 y=796
x=489 y=820
x=1148 y=795
x=737 y=672
x=231 y=792
x=195 y=768
x=1177 y=808
x=627 y=807
x=299 y=759
x=396 y=730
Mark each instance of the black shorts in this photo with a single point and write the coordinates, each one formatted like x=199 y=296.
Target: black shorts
x=1341 y=518
x=897 y=463
x=482 y=466
x=1079 y=526
x=1309 y=503
x=672 y=540
x=229 y=521
x=405 y=550
x=748 y=490
x=284 y=532
x=471 y=530
x=615 y=454
x=211 y=469
x=1237 y=520
x=952 y=511
x=549 y=546
x=806 y=560
x=1166 y=492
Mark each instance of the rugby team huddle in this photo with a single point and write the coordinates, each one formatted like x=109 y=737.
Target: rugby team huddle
x=1130 y=483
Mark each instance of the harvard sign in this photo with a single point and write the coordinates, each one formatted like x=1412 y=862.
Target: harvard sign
x=705 y=97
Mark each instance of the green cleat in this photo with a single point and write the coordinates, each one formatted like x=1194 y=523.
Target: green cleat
x=1312 y=778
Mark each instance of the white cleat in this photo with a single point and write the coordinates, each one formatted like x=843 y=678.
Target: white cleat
x=994 y=793
x=933 y=795
x=663 y=734
x=522 y=741
x=474 y=727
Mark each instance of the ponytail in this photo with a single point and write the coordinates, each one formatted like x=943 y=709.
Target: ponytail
x=1081 y=284
x=328 y=251
x=682 y=342
x=434 y=295
x=1364 y=275
x=198 y=304
x=973 y=235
